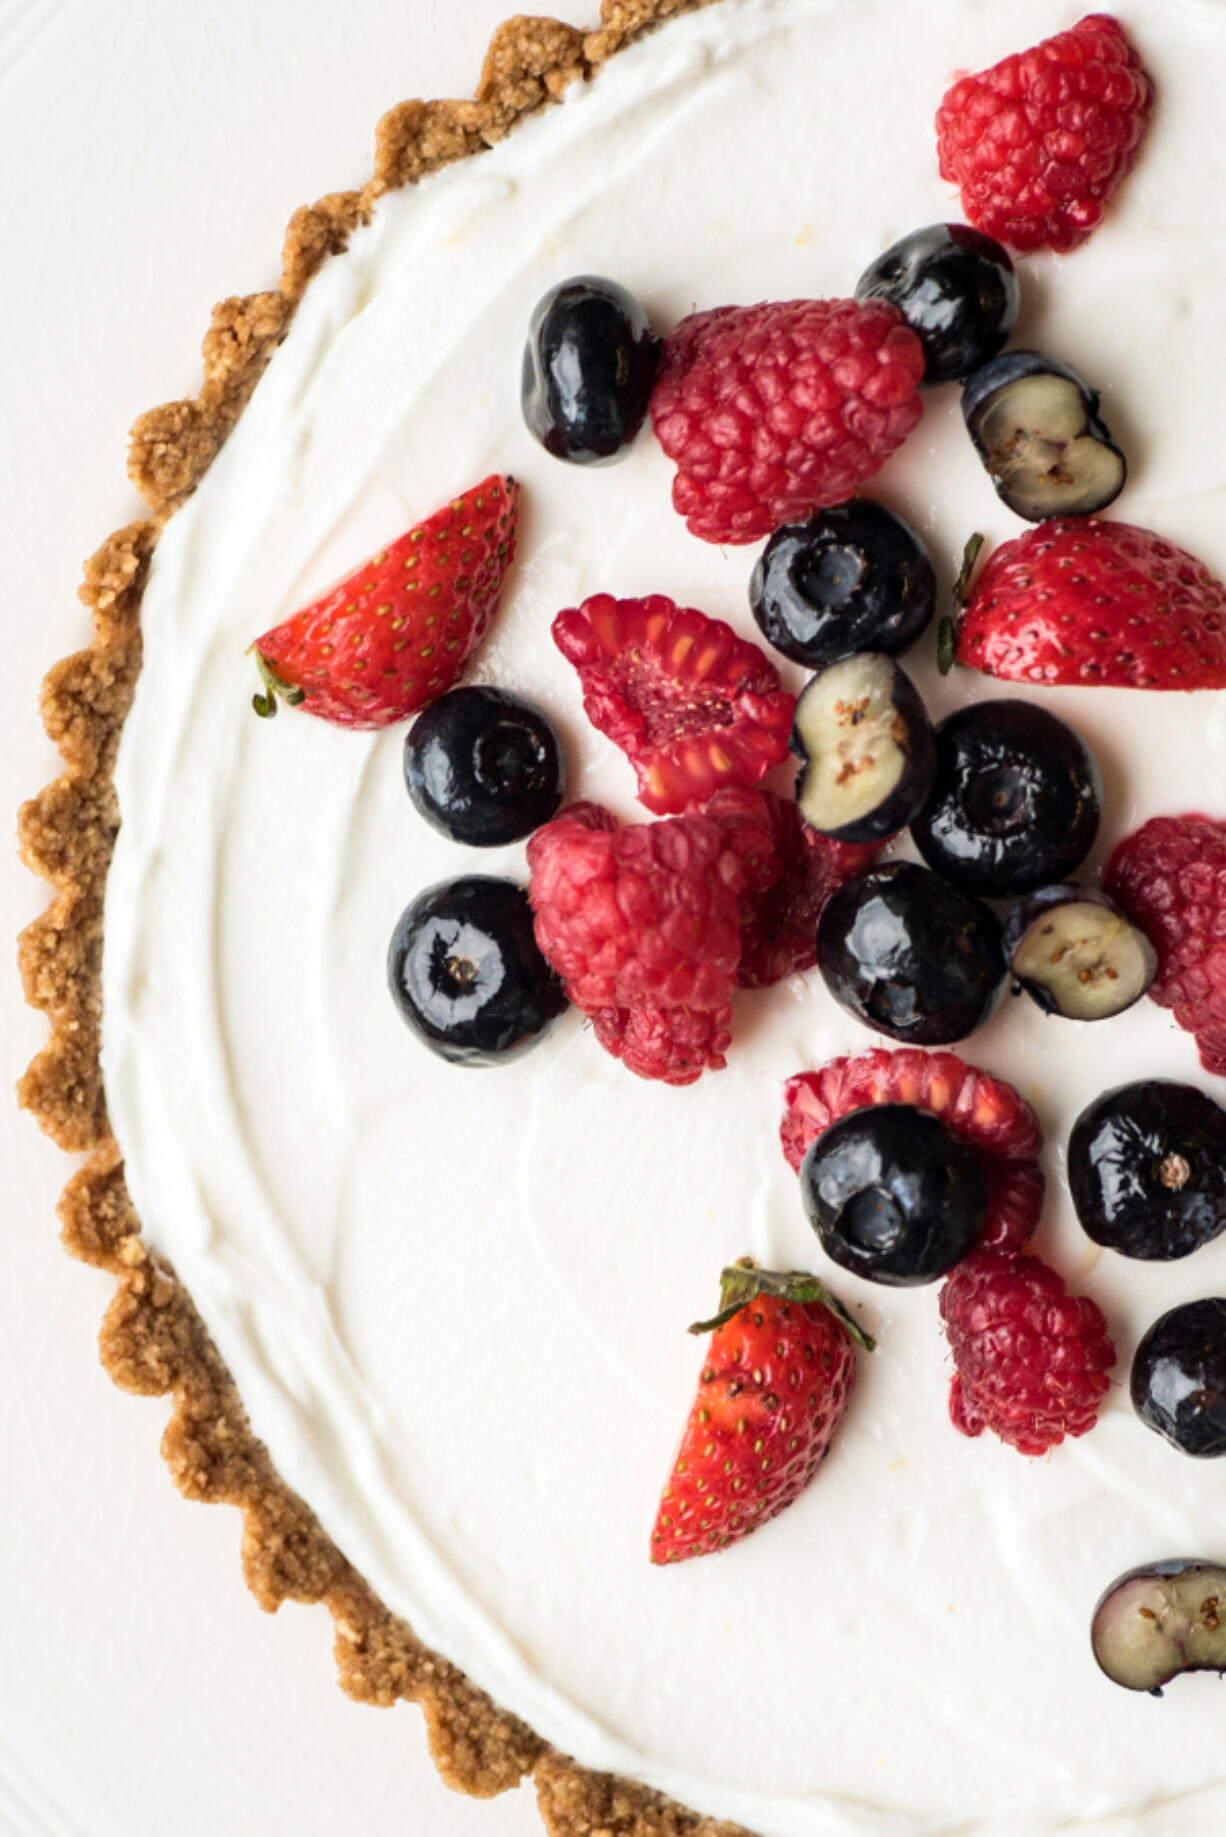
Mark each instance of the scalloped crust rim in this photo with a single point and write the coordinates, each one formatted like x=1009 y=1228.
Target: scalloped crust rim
x=153 y=1342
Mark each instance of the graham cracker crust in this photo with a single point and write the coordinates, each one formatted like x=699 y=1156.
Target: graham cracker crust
x=153 y=1342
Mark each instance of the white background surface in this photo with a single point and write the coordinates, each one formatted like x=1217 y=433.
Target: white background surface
x=151 y=153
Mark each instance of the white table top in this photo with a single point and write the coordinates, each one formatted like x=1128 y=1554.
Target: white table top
x=154 y=150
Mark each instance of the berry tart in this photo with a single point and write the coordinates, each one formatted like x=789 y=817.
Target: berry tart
x=442 y=1047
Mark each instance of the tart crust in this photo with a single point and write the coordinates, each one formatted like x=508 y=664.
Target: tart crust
x=153 y=1342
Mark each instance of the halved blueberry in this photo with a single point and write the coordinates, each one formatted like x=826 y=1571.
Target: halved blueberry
x=1160 y=1620
x=589 y=364
x=1036 y=426
x=957 y=290
x=866 y=742
x=853 y=578
x=1076 y=954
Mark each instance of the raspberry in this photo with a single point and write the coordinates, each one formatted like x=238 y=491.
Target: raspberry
x=785 y=890
x=691 y=705
x=771 y=412
x=1040 y=143
x=643 y=915
x=674 y=1045
x=1170 y=877
x=1031 y=1360
x=984 y=1111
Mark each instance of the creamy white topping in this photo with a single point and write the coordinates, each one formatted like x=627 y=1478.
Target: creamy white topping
x=454 y=1301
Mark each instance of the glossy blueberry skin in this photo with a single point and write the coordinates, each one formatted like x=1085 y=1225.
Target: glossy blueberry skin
x=910 y=955
x=466 y=974
x=852 y=578
x=957 y=290
x=1147 y=1169
x=1016 y=801
x=484 y=767
x=893 y=1194
x=1015 y=367
x=589 y=364
x=1178 y=1382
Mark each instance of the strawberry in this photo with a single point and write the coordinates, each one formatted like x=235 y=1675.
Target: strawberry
x=398 y=631
x=775 y=1385
x=1077 y=600
x=691 y=705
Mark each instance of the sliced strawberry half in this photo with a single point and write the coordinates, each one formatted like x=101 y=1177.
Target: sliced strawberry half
x=691 y=705
x=398 y=631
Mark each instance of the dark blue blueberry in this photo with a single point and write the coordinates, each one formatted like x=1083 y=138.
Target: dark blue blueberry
x=484 y=767
x=467 y=975
x=1015 y=803
x=1178 y=1382
x=956 y=289
x=866 y=741
x=589 y=364
x=1147 y=1169
x=893 y=1194
x=853 y=578
x=911 y=955
x=1036 y=426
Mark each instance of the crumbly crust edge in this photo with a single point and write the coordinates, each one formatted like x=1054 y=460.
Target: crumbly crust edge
x=152 y=1341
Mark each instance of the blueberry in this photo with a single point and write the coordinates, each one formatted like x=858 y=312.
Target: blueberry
x=1147 y=1169
x=1016 y=800
x=956 y=289
x=467 y=975
x=1036 y=426
x=589 y=364
x=1075 y=953
x=1178 y=1382
x=911 y=955
x=866 y=742
x=484 y=767
x=853 y=578
x=1160 y=1620
x=893 y=1194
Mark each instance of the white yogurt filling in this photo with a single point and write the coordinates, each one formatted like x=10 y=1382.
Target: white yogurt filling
x=454 y=1302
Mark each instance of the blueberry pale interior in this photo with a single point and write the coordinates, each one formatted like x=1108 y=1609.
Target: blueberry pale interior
x=313 y=1177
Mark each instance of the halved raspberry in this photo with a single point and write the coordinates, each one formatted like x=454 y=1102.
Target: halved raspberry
x=692 y=706
x=984 y=1111
x=674 y=1045
x=786 y=887
x=1170 y=877
x=1031 y=1360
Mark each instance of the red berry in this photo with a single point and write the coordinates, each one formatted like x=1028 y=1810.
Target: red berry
x=1031 y=1360
x=1014 y=1194
x=781 y=906
x=771 y=412
x=673 y=1045
x=1041 y=142
x=642 y=917
x=398 y=631
x=984 y=1111
x=774 y=1387
x=1170 y=877
x=691 y=705
x=1081 y=601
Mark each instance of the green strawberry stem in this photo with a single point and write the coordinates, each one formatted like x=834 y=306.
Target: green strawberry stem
x=947 y=631
x=742 y=1282
x=276 y=688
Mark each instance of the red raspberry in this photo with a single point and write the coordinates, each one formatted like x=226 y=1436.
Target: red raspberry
x=674 y=1045
x=984 y=1111
x=647 y=915
x=787 y=888
x=1170 y=877
x=1031 y=1360
x=691 y=705
x=1040 y=143
x=1081 y=601
x=1001 y=1126
x=773 y=411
